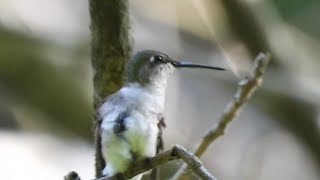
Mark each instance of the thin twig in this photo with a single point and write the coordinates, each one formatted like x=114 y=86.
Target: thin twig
x=245 y=90
x=139 y=167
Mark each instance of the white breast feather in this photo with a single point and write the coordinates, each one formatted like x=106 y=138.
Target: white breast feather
x=142 y=130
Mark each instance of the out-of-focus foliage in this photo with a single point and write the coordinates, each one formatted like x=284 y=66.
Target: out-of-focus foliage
x=30 y=79
x=46 y=86
x=301 y=14
x=290 y=8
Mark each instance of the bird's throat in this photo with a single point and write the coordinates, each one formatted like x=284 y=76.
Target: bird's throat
x=153 y=91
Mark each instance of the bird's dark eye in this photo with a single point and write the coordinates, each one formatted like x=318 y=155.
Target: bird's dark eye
x=157 y=59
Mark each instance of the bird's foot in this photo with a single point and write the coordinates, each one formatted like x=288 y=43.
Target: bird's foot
x=148 y=161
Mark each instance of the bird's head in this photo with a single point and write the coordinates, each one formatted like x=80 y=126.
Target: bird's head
x=154 y=67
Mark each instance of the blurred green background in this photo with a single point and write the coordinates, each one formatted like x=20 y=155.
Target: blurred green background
x=46 y=84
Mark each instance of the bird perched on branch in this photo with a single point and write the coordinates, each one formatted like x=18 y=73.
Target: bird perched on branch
x=131 y=120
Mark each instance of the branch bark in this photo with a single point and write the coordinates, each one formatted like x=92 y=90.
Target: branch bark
x=110 y=50
x=177 y=152
x=245 y=90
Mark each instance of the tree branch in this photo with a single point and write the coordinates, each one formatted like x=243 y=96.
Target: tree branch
x=175 y=153
x=145 y=165
x=245 y=90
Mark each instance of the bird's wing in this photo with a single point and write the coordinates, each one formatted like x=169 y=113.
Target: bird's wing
x=160 y=145
x=99 y=160
x=99 y=114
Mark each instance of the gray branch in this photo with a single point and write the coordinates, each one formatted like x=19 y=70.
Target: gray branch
x=177 y=152
x=245 y=90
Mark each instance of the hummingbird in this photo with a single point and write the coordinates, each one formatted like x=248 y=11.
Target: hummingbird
x=131 y=120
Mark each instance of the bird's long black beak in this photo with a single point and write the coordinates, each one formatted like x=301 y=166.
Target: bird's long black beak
x=181 y=64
